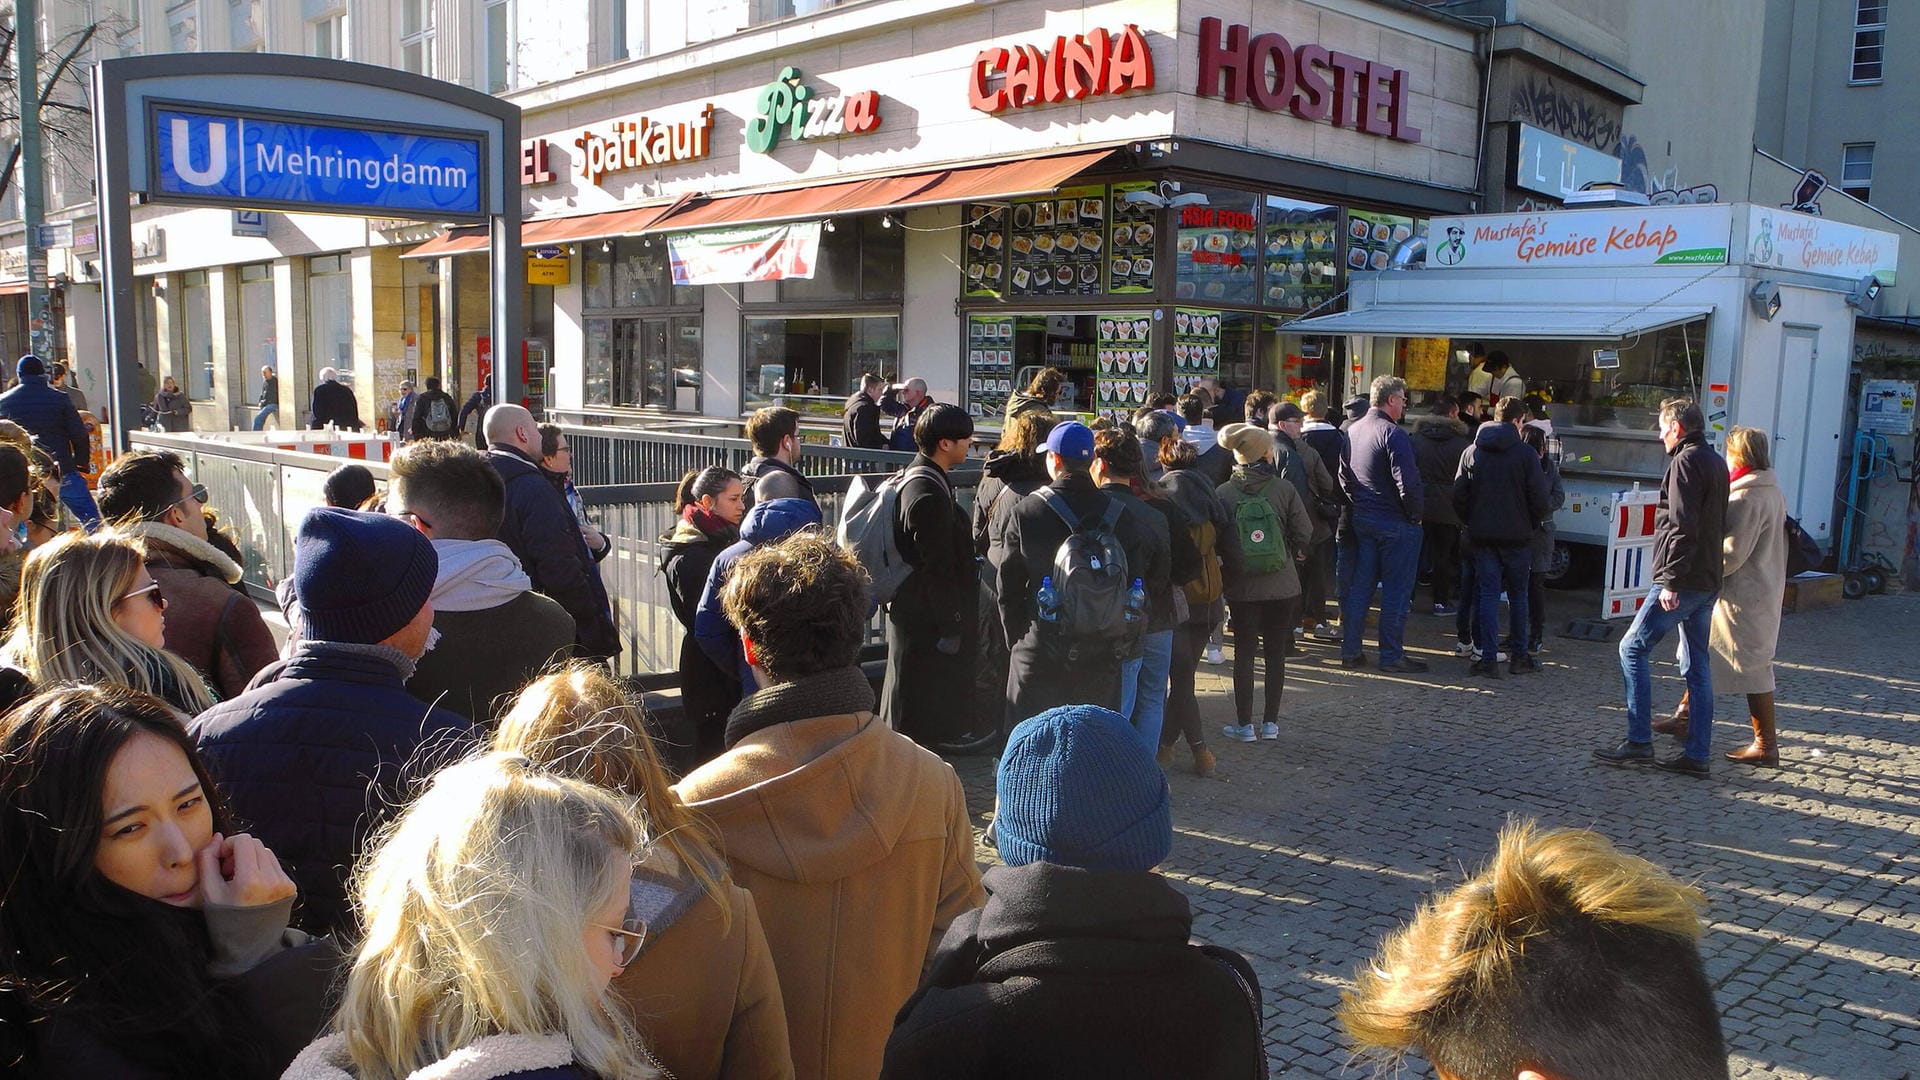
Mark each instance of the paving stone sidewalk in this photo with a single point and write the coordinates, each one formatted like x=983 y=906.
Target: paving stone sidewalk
x=1382 y=788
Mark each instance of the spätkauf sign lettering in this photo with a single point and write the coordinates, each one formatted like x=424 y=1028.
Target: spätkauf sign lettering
x=1085 y=65
x=310 y=164
x=642 y=142
x=787 y=106
x=1656 y=236
x=1312 y=82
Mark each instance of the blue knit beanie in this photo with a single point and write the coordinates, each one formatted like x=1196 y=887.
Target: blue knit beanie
x=1079 y=788
x=360 y=577
x=29 y=365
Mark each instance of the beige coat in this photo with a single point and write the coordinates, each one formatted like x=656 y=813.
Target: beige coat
x=858 y=850
x=1746 y=619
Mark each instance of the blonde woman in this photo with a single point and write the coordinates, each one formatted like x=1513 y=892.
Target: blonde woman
x=88 y=612
x=496 y=913
x=703 y=989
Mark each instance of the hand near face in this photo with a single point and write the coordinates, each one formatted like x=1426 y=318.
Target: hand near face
x=239 y=871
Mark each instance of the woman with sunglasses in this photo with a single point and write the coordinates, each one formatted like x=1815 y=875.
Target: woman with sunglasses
x=140 y=937
x=496 y=914
x=90 y=613
x=703 y=990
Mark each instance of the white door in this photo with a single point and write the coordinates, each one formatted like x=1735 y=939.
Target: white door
x=1792 y=427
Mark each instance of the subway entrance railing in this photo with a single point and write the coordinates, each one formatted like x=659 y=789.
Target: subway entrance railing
x=261 y=494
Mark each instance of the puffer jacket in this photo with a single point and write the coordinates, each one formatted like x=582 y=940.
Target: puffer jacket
x=858 y=850
x=317 y=752
x=1258 y=481
x=1500 y=491
x=49 y=416
x=545 y=537
x=765 y=523
x=1438 y=442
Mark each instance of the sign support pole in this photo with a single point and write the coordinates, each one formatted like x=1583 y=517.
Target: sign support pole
x=26 y=51
x=116 y=260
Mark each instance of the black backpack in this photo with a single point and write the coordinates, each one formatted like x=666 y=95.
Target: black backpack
x=1803 y=554
x=1090 y=584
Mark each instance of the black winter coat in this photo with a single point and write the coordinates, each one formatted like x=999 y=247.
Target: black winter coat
x=927 y=694
x=543 y=533
x=1197 y=497
x=49 y=416
x=1007 y=476
x=1438 y=442
x=1183 y=559
x=334 y=401
x=1500 y=491
x=1691 y=525
x=417 y=416
x=707 y=694
x=860 y=424
x=1069 y=973
x=315 y=755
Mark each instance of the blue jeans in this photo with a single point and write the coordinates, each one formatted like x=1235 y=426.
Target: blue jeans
x=1143 y=686
x=1387 y=553
x=1496 y=568
x=260 y=418
x=1694 y=617
x=73 y=492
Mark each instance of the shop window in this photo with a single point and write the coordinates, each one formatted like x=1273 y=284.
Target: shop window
x=1105 y=356
x=1300 y=246
x=1217 y=247
x=648 y=362
x=632 y=272
x=330 y=314
x=861 y=258
x=327 y=36
x=1856 y=170
x=1869 y=41
x=499 y=46
x=627 y=36
x=814 y=363
x=416 y=36
x=259 y=333
x=196 y=367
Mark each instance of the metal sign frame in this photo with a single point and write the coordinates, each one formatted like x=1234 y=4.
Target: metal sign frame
x=359 y=95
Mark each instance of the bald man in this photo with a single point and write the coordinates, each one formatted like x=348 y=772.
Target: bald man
x=905 y=402
x=542 y=531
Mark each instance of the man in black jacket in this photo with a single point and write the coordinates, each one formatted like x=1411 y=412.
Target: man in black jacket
x=860 y=426
x=1080 y=962
x=932 y=637
x=1439 y=441
x=1036 y=679
x=432 y=414
x=1500 y=493
x=1688 y=530
x=775 y=434
x=544 y=534
x=333 y=403
x=56 y=427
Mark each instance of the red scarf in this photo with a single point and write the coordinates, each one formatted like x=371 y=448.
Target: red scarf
x=1738 y=473
x=707 y=522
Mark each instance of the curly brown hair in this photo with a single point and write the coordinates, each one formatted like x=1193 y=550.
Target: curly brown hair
x=1118 y=449
x=1176 y=454
x=1026 y=433
x=803 y=603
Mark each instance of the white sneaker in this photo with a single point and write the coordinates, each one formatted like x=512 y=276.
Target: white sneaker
x=1239 y=733
x=1269 y=730
x=1299 y=631
x=1465 y=648
x=1215 y=654
x=1475 y=653
x=1326 y=632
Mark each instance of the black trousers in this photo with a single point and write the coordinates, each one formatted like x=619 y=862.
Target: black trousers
x=1536 y=610
x=1261 y=628
x=1183 y=708
x=1038 y=681
x=1443 y=551
x=1316 y=578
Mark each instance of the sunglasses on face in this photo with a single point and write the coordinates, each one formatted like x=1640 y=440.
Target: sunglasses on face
x=628 y=939
x=152 y=593
x=198 y=495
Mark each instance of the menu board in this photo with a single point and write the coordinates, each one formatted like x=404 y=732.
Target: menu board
x=1371 y=238
x=1217 y=250
x=1130 y=262
x=1125 y=346
x=1058 y=243
x=989 y=365
x=1196 y=347
x=986 y=249
x=1302 y=249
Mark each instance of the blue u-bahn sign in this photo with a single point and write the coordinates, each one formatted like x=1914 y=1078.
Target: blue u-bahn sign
x=308 y=163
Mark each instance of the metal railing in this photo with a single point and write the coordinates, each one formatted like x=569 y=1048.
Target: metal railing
x=620 y=455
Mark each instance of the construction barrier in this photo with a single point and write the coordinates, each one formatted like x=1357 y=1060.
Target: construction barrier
x=1629 y=552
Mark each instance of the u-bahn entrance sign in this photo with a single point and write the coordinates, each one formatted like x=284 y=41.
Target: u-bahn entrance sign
x=225 y=129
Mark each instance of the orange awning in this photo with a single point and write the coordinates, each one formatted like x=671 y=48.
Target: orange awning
x=13 y=288
x=935 y=187
x=461 y=241
x=540 y=232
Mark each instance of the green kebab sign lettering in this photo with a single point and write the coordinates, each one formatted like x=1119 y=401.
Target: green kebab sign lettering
x=787 y=105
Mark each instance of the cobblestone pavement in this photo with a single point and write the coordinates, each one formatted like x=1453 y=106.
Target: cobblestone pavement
x=1382 y=788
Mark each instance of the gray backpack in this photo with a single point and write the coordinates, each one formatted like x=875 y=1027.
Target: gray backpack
x=1090 y=583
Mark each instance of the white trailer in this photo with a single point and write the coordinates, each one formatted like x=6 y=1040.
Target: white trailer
x=1606 y=312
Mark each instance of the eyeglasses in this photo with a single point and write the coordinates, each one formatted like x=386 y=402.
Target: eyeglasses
x=152 y=593
x=198 y=494
x=628 y=939
x=415 y=518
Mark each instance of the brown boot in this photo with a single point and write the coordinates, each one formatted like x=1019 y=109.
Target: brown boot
x=1164 y=755
x=1675 y=725
x=1202 y=761
x=1764 y=751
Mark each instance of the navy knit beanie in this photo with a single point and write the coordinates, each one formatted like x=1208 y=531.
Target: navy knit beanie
x=29 y=365
x=360 y=577
x=1078 y=787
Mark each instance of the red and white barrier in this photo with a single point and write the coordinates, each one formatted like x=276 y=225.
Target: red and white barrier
x=1629 y=552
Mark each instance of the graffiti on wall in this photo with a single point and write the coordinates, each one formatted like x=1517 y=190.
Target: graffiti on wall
x=1547 y=103
x=1663 y=188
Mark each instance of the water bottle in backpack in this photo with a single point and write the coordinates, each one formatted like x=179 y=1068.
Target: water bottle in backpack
x=1089 y=585
x=1047 y=602
x=1137 y=602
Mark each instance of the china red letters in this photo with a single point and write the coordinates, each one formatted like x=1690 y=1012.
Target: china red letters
x=1075 y=68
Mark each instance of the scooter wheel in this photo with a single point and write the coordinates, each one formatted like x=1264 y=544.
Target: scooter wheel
x=1854 y=587
x=1876 y=579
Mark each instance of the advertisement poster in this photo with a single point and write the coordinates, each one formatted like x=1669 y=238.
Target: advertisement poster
x=1637 y=236
x=1789 y=241
x=1196 y=347
x=1058 y=243
x=1302 y=250
x=986 y=249
x=759 y=253
x=989 y=365
x=1125 y=349
x=1371 y=238
x=1130 y=263
x=1217 y=252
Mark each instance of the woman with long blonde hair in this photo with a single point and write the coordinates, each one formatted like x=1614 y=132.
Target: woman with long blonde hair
x=703 y=989
x=88 y=612
x=496 y=912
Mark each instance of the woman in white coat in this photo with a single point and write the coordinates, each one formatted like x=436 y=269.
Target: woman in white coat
x=1746 y=618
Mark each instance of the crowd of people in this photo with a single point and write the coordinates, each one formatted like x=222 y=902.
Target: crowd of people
x=430 y=835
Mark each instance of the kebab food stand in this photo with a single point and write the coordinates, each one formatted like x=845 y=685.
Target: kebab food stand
x=1607 y=312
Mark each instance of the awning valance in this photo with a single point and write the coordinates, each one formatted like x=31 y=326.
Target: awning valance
x=1544 y=322
x=974 y=183
x=541 y=232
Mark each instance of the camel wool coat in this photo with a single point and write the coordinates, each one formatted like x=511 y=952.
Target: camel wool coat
x=1746 y=618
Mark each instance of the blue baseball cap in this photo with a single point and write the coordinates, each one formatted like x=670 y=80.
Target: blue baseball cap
x=1071 y=440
